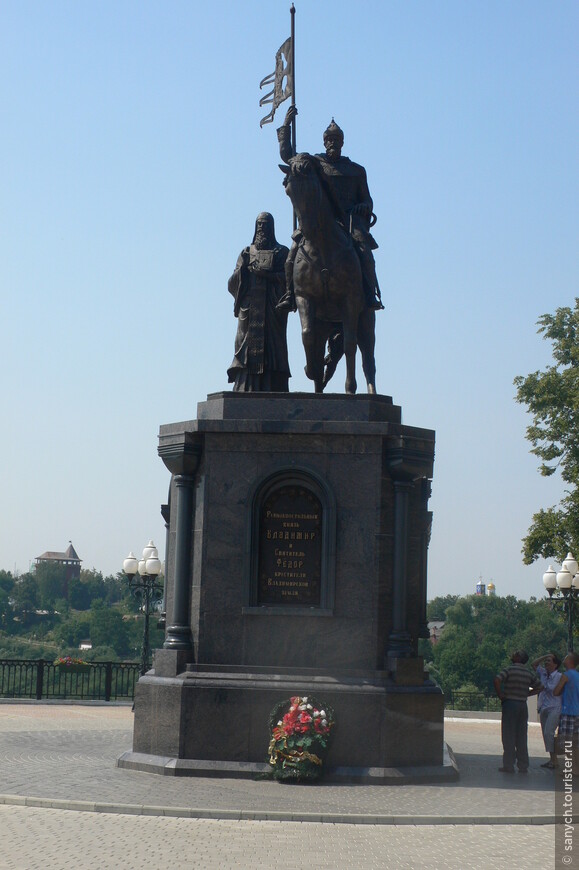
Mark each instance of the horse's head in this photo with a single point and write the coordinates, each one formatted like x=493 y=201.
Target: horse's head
x=302 y=185
x=301 y=165
x=306 y=187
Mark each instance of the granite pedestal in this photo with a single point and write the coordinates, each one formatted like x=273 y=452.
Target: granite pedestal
x=298 y=530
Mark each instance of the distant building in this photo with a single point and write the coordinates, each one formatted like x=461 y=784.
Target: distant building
x=488 y=590
x=69 y=559
x=435 y=628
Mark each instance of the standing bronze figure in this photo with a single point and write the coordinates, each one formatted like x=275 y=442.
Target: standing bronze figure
x=257 y=285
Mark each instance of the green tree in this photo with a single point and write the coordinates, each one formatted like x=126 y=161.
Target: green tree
x=107 y=628
x=92 y=586
x=436 y=609
x=93 y=580
x=78 y=594
x=117 y=589
x=25 y=597
x=552 y=397
x=98 y=608
x=72 y=631
x=51 y=583
x=6 y=611
x=135 y=628
x=6 y=581
x=481 y=632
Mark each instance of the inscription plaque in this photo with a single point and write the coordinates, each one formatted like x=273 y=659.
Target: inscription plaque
x=290 y=548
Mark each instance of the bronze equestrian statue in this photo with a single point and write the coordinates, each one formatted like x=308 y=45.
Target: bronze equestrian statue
x=330 y=270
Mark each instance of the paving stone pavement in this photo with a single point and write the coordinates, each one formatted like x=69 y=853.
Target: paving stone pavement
x=44 y=839
x=62 y=756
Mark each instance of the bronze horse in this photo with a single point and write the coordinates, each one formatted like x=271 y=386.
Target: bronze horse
x=327 y=281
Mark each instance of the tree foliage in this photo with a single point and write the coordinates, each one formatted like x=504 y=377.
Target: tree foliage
x=107 y=628
x=552 y=397
x=6 y=587
x=25 y=597
x=34 y=611
x=436 y=608
x=481 y=632
x=51 y=583
x=71 y=632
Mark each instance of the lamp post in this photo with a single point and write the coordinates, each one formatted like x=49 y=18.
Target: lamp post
x=565 y=585
x=143 y=577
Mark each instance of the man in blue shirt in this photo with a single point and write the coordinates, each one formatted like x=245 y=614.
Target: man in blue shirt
x=568 y=685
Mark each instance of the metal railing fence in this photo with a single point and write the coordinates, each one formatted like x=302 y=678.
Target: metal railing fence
x=482 y=701
x=41 y=679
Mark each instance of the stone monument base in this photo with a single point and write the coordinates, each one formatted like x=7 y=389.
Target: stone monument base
x=213 y=721
x=298 y=531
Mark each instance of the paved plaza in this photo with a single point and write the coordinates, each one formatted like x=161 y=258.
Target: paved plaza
x=63 y=803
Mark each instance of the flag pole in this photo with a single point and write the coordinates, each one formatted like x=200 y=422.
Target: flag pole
x=293 y=137
x=293 y=38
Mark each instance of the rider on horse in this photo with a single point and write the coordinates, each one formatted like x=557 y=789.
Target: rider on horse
x=347 y=185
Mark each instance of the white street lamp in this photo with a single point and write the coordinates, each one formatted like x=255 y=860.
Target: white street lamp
x=549 y=579
x=147 y=570
x=570 y=565
x=563 y=589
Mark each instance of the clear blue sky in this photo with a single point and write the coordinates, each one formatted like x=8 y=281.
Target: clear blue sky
x=133 y=169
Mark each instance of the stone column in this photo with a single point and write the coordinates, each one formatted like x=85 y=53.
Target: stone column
x=166 y=514
x=426 y=520
x=181 y=453
x=179 y=635
x=400 y=642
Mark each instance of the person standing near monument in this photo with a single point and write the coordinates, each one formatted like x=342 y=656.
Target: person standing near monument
x=568 y=687
x=549 y=705
x=257 y=285
x=513 y=685
x=347 y=185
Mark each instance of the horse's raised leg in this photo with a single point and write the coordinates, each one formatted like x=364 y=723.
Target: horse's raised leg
x=335 y=352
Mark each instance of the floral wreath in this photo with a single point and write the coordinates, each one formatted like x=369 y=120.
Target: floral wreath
x=301 y=731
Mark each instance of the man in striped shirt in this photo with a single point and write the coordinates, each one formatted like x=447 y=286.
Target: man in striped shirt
x=513 y=686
